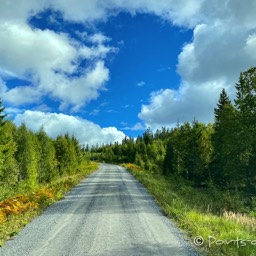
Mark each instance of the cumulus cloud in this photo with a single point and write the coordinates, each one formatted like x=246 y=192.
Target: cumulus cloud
x=167 y=107
x=223 y=45
x=47 y=61
x=20 y=10
x=54 y=124
x=181 y=12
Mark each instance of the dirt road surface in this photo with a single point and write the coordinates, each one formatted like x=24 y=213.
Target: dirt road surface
x=109 y=213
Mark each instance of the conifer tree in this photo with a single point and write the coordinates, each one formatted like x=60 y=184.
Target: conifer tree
x=168 y=160
x=224 y=163
x=246 y=139
x=47 y=159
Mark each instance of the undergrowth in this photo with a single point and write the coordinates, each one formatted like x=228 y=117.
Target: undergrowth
x=18 y=210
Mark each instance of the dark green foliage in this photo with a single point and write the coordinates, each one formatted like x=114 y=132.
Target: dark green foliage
x=246 y=128
x=223 y=154
x=224 y=157
x=168 y=160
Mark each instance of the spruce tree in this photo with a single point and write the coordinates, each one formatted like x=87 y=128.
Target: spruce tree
x=246 y=139
x=47 y=160
x=168 y=160
x=223 y=166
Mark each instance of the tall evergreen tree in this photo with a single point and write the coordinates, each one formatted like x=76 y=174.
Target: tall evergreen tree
x=168 y=160
x=223 y=167
x=246 y=139
x=47 y=158
x=223 y=102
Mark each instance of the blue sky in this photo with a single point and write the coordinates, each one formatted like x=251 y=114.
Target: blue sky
x=146 y=61
x=105 y=69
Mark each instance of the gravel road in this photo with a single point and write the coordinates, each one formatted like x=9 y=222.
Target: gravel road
x=109 y=213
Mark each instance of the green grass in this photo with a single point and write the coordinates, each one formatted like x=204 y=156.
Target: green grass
x=39 y=199
x=201 y=212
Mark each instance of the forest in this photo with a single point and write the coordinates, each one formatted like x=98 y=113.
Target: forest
x=222 y=154
x=29 y=159
x=202 y=175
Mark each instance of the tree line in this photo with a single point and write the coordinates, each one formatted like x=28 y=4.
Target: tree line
x=222 y=153
x=29 y=158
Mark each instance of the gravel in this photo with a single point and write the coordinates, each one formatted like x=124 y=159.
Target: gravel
x=108 y=213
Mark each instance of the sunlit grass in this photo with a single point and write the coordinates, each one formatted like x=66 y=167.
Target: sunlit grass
x=17 y=211
x=203 y=213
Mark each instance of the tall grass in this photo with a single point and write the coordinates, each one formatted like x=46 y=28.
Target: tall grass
x=205 y=215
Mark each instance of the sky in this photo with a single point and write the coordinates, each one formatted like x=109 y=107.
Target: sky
x=105 y=69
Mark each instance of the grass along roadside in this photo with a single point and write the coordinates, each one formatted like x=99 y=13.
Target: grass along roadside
x=203 y=216
x=19 y=210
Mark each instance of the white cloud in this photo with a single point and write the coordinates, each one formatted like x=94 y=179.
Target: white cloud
x=48 y=60
x=141 y=83
x=137 y=127
x=223 y=45
x=22 y=95
x=3 y=86
x=181 y=12
x=99 y=51
x=250 y=47
x=167 y=107
x=20 y=10
x=12 y=112
x=54 y=124
x=78 y=91
x=99 y=38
